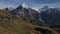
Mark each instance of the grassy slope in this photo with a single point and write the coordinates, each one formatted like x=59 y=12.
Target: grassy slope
x=14 y=27
x=18 y=26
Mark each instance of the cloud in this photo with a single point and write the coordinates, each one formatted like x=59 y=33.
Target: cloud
x=52 y=5
x=4 y=5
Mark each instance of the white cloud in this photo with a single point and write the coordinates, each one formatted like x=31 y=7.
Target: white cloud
x=53 y=5
x=4 y=5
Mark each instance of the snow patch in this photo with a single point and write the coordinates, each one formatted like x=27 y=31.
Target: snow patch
x=25 y=5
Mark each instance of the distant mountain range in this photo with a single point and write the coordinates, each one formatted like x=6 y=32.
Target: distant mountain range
x=47 y=16
x=51 y=16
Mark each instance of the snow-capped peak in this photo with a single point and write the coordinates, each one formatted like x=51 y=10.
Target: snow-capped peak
x=25 y=5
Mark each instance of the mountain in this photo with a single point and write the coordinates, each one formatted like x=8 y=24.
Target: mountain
x=50 y=16
x=47 y=16
x=44 y=8
x=26 y=12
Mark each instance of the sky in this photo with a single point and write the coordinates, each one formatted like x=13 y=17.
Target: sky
x=31 y=3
